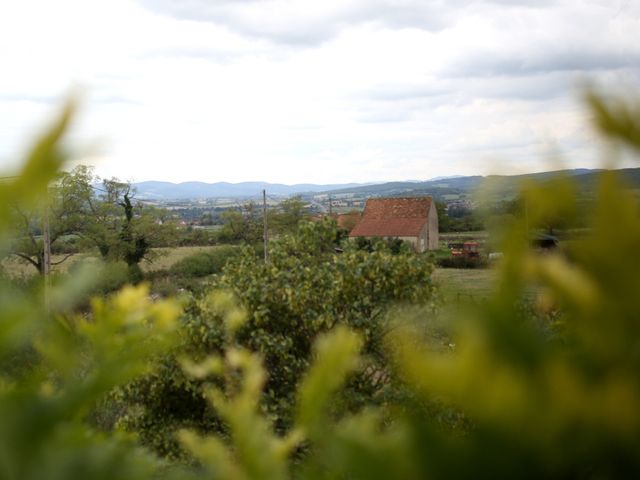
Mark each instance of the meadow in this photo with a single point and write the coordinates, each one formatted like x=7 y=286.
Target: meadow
x=457 y=285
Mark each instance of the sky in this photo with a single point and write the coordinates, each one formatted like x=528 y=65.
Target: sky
x=310 y=91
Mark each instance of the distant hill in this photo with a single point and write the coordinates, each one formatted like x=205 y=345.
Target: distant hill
x=199 y=190
x=439 y=187
x=502 y=186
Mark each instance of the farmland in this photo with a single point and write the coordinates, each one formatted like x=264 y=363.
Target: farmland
x=458 y=284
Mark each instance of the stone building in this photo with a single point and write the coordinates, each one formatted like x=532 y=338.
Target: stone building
x=413 y=219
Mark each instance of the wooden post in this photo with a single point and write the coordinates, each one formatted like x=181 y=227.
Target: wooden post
x=46 y=240
x=265 y=233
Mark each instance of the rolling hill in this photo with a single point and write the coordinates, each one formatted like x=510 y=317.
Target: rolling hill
x=502 y=186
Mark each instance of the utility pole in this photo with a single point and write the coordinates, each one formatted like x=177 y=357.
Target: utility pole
x=266 y=234
x=330 y=206
x=526 y=214
x=46 y=240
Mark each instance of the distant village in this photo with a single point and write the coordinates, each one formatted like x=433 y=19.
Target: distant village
x=200 y=213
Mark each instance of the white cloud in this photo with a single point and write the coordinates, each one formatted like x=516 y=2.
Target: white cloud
x=332 y=91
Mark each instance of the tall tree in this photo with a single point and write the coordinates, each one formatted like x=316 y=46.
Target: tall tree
x=243 y=224
x=287 y=216
x=64 y=207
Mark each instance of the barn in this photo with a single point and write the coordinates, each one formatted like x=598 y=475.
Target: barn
x=413 y=219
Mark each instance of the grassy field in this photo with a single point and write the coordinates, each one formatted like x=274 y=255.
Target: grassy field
x=455 y=284
x=162 y=258
x=458 y=284
x=16 y=267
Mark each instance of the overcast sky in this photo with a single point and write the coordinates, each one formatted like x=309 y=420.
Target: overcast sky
x=321 y=91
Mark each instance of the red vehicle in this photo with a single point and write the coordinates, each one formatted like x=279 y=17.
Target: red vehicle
x=466 y=249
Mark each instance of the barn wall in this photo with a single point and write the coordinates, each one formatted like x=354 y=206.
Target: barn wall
x=414 y=241
x=423 y=239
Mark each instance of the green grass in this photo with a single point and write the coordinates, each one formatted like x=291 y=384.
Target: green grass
x=16 y=267
x=162 y=258
x=460 y=284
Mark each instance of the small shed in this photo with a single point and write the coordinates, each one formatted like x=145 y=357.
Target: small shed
x=413 y=219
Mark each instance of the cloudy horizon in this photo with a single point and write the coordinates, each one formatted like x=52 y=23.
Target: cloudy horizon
x=315 y=92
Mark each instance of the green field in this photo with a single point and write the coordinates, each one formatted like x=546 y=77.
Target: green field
x=161 y=258
x=455 y=285
x=16 y=267
x=164 y=258
x=459 y=284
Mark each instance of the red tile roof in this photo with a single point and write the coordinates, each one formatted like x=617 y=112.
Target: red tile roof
x=393 y=217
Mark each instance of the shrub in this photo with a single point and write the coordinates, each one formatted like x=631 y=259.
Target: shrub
x=462 y=262
x=206 y=263
x=66 y=245
x=395 y=245
x=305 y=289
x=113 y=276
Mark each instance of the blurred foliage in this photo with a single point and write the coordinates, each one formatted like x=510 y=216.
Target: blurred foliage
x=618 y=118
x=55 y=366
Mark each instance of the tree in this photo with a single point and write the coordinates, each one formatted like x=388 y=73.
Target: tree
x=288 y=215
x=103 y=220
x=305 y=289
x=444 y=222
x=64 y=207
x=242 y=225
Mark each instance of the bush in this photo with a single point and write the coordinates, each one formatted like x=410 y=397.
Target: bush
x=198 y=237
x=305 y=289
x=113 y=276
x=395 y=245
x=462 y=262
x=206 y=263
x=165 y=284
x=67 y=245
